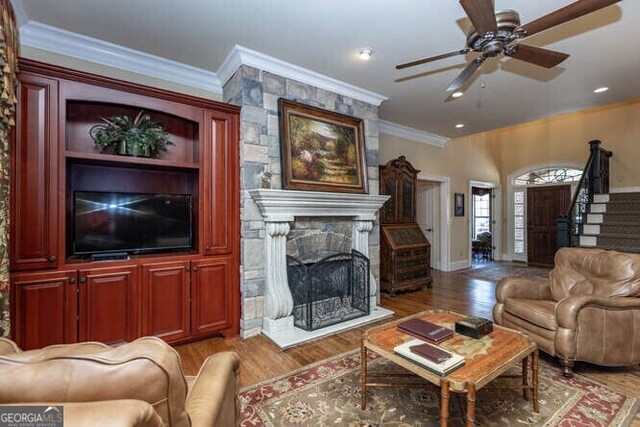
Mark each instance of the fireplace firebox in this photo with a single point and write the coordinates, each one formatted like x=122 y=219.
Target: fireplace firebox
x=330 y=291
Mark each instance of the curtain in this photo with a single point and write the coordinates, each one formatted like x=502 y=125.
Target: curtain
x=8 y=63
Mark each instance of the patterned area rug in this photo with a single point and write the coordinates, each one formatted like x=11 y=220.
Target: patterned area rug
x=497 y=270
x=328 y=394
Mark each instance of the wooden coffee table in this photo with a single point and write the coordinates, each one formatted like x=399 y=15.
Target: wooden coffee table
x=485 y=360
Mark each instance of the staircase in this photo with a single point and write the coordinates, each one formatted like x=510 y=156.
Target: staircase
x=613 y=222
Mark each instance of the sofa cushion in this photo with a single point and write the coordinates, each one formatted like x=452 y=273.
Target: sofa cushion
x=580 y=271
x=147 y=369
x=538 y=312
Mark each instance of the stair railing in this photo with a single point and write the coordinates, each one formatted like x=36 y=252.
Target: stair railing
x=594 y=180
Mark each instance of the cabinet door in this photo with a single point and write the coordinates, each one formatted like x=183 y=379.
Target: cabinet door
x=407 y=191
x=220 y=184
x=34 y=176
x=389 y=187
x=108 y=305
x=165 y=300
x=45 y=307
x=211 y=299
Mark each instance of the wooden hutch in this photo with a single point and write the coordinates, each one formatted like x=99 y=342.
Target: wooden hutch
x=177 y=296
x=405 y=252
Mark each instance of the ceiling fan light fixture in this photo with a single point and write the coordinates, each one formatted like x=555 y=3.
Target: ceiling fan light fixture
x=457 y=94
x=600 y=89
x=365 y=53
x=459 y=125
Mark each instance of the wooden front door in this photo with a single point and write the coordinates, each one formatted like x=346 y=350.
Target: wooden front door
x=544 y=206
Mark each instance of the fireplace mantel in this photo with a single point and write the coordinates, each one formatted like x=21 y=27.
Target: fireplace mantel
x=278 y=209
x=284 y=205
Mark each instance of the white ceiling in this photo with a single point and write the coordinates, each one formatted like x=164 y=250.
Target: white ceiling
x=325 y=35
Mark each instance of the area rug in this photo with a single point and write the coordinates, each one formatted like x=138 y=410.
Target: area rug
x=328 y=394
x=496 y=271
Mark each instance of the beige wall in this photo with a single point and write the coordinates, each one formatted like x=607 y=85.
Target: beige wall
x=494 y=155
x=462 y=159
x=565 y=139
x=102 y=70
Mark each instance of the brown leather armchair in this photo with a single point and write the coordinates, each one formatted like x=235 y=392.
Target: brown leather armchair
x=588 y=309
x=137 y=384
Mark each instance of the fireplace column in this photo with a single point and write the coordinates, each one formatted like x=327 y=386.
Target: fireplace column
x=278 y=299
x=360 y=242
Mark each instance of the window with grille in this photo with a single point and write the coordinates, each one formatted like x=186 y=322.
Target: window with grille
x=518 y=217
x=481 y=214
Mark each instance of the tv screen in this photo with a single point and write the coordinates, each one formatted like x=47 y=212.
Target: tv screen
x=131 y=222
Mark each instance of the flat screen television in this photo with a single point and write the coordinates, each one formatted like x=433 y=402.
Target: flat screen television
x=131 y=222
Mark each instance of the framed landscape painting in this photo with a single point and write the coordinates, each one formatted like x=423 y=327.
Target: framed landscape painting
x=321 y=150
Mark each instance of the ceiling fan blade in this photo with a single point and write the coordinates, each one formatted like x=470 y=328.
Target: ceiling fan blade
x=567 y=13
x=432 y=58
x=482 y=15
x=536 y=55
x=466 y=74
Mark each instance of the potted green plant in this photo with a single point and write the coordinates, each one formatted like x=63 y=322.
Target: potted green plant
x=141 y=137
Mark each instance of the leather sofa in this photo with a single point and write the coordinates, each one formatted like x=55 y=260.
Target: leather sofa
x=136 y=384
x=587 y=310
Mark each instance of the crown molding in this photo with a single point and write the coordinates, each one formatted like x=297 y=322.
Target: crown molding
x=240 y=55
x=395 y=129
x=20 y=12
x=45 y=37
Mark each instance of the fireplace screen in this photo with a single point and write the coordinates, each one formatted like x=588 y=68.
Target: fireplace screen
x=332 y=290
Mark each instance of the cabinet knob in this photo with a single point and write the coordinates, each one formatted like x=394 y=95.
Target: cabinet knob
x=186 y=268
x=72 y=280
x=52 y=259
x=194 y=268
x=83 y=280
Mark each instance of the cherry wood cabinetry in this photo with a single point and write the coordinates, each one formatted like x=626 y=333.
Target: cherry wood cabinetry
x=165 y=299
x=405 y=252
x=45 y=308
x=219 y=163
x=34 y=219
x=212 y=306
x=60 y=296
x=108 y=305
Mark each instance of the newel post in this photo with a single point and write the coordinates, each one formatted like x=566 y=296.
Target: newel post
x=595 y=172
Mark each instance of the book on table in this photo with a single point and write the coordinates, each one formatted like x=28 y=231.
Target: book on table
x=443 y=368
x=424 y=330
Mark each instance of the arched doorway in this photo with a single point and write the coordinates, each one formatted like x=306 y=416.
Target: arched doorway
x=537 y=197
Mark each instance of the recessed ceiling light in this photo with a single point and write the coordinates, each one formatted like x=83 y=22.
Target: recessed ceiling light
x=601 y=89
x=460 y=125
x=457 y=94
x=365 y=53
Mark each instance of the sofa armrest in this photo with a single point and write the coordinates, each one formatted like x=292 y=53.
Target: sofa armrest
x=116 y=413
x=522 y=287
x=213 y=399
x=8 y=347
x=568 y=309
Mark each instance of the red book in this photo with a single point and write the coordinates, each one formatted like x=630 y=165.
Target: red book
x=435 y=354
x=425 y=330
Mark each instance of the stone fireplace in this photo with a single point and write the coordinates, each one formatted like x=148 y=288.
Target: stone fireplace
x=256 y=82
x=280 y=208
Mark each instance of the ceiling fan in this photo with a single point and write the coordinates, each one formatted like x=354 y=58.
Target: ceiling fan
x=498 y=33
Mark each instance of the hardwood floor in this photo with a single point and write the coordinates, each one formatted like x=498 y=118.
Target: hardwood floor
x=458 y=291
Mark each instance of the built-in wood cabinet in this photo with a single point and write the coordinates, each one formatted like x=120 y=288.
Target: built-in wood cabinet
x=166 y=299
x=60 y=295
x=212 y=304
x=44 y=308
x=34 y=162
x=108 y=304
